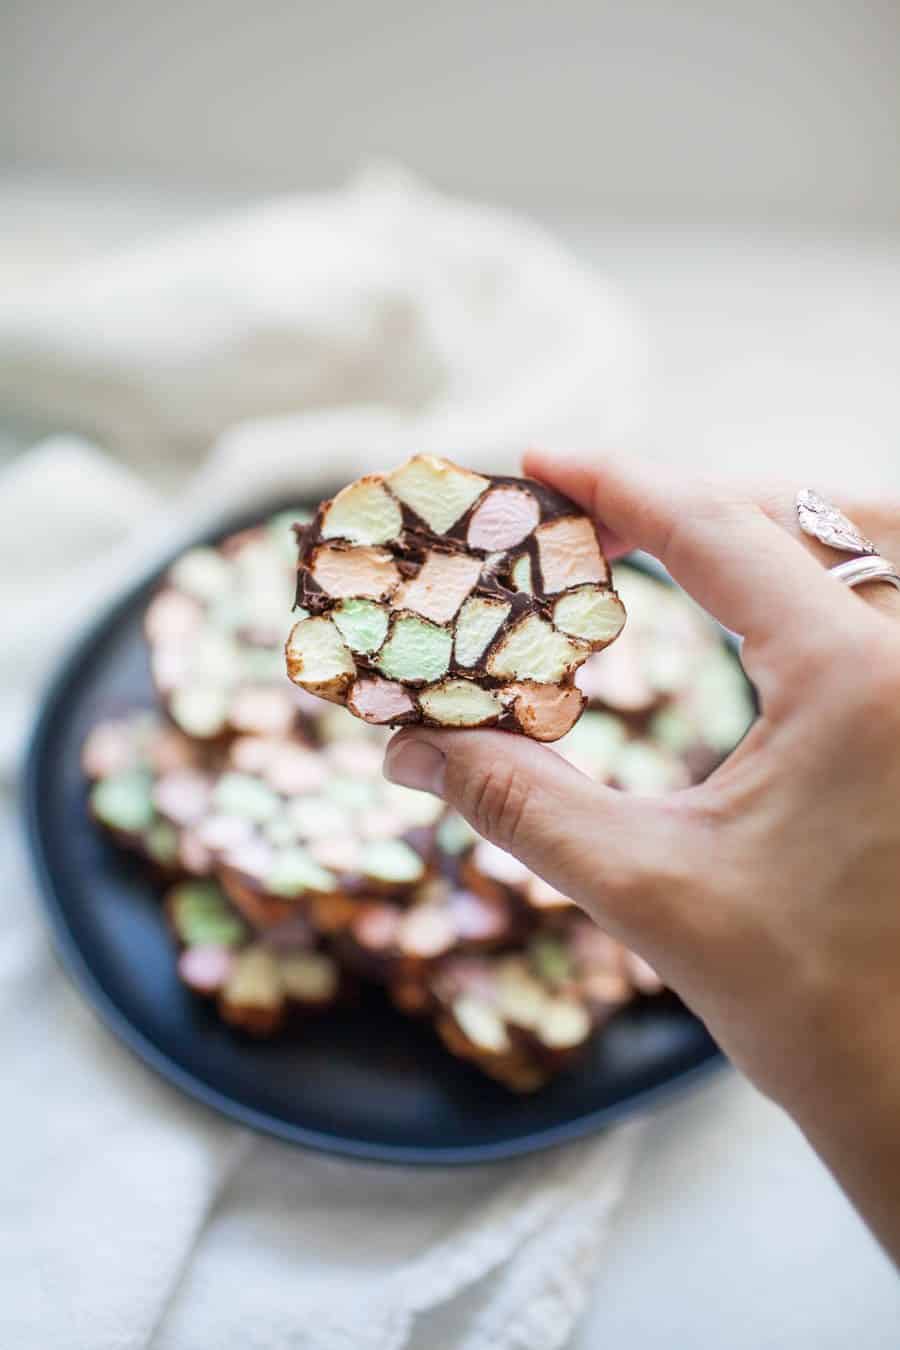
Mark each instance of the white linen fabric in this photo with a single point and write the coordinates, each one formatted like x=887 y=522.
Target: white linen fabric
x=376 y=322
x=383 y=294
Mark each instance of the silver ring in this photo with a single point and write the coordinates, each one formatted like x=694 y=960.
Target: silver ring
x=817 y=517
x=820 y=519
x=860 y=571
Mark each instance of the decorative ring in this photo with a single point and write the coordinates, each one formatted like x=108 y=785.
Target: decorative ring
x=859 y=571
x=818 y=518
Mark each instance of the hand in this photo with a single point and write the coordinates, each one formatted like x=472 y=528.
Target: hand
x=769 y=896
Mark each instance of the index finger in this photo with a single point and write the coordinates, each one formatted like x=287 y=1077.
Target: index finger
x=723 y=548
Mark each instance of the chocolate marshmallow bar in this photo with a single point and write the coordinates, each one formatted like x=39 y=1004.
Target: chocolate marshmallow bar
x=257 y=982
x=215 y=629
x=278 y=819
x=123 y=759
x=523 y=1016
x=398 y=945
x=434 y=594
x=289 y=827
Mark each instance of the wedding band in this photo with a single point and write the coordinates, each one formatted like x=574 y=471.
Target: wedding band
x=860 y=571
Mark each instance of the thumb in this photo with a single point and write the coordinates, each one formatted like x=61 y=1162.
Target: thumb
x=611 y=853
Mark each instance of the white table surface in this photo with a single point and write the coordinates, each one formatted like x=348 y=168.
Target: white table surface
x=768 y=353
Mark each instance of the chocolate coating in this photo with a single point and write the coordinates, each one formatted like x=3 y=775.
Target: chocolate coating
x=438 y=573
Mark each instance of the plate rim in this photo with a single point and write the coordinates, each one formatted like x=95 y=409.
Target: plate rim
x=77 y=967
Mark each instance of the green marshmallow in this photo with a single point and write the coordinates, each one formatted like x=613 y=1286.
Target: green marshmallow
x=295 y=871
x=550 y=959
x=124 y=802
x=416 y=650
x=202 y=916
x=391 y=860
x=161 y=842
x=362 y=624
x=238 y=794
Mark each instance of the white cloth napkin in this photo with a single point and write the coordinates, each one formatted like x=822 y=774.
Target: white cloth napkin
x=384 y=294
x=140 y=1219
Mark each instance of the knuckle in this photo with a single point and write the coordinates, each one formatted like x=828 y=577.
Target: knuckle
x=706 y=503
x=495 y=802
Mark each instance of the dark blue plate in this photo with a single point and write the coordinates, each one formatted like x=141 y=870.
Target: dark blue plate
x=365 y=1082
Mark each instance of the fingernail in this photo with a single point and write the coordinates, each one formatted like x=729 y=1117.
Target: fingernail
x=416 y=764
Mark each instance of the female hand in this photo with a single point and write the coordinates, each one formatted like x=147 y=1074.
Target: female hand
x=769 y=896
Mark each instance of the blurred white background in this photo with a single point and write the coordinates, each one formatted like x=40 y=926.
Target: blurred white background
x=732 y=168
x=767 y=112
x=732 y=171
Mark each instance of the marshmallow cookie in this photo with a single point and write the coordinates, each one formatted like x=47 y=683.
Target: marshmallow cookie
x=523 y=1016
x=434 y=594
x=294 y=829
x=215 y=629
x=124 y=759
x=398 y=942
x=257 y=982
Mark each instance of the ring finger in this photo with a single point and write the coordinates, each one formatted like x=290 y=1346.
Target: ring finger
x=877 y=523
